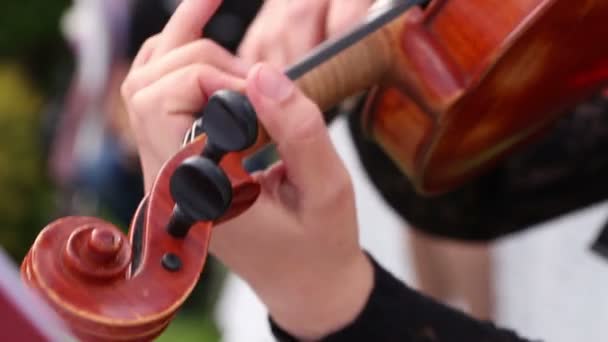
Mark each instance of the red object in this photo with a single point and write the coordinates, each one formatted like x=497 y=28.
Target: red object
x=24 y=316
x=478 y=79
x=82 y=265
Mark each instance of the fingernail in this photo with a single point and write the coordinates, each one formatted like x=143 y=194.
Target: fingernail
x=273 y=84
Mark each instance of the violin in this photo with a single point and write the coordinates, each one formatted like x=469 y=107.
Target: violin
x=457 y=85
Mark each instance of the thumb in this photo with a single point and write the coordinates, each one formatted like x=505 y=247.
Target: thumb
x=297 y=127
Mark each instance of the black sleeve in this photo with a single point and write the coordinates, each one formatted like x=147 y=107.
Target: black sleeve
x=396 y=313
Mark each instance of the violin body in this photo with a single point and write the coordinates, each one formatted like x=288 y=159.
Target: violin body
x=459 y=85
x=479 y=78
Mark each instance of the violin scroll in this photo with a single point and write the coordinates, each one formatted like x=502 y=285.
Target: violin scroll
x=108 y=286
x=97 y=250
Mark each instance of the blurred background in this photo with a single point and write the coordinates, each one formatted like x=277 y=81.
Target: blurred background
x=65 y=148
x=65 y=145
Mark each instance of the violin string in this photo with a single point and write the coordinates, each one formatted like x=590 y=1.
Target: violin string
x=379 y=15
x=376 y=19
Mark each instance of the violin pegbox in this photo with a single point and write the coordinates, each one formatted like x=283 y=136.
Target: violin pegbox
x=108 y=287
x=200 y=187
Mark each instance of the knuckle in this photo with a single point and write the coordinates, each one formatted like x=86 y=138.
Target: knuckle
x=267 y=40
x=196 y=72
x=199 y=68
x=150 y=42
x=309 y=122
x=339 y=192
x=302 y=10
x=246 y=49
x=125 y=90
x=207 y=44
x=137 y=105
x=209 y=51
x=130 y=85
x=146 y=48
x=342 y=189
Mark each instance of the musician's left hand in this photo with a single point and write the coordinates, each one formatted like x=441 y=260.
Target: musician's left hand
x=298 y=245
x=170 y=81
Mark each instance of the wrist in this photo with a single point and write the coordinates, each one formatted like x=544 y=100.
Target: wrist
x=336 y=302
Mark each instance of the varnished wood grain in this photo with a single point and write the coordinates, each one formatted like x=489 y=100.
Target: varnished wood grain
x=100 y=297
x=490 y=75
x=464 y=83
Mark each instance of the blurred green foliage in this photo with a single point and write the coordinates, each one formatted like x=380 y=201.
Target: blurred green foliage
x=33 y=57
x=29 y=25
x=190 y=328
x=24 y=190
x=30 y=34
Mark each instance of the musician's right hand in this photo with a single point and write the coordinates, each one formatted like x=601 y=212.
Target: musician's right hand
x=285 y=30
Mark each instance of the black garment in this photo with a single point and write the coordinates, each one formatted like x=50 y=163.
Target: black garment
x=562 y=172
x=396 y=313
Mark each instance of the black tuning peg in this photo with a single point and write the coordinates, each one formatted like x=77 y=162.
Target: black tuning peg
x=201 y=190
x=229 y=121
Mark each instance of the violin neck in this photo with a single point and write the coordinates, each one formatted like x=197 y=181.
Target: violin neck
x=353 y=71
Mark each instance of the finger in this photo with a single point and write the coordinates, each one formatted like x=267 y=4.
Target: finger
x=296 y=125
x=264 y=33
x=271 y=178
x=202 y=51
x=145 y=52
x=277 y=56
x=274 y=182
x=257 y=33
x=306 y=23
x=184 y=91
x=185 y=25
x=174 y=100
x=250 y=49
